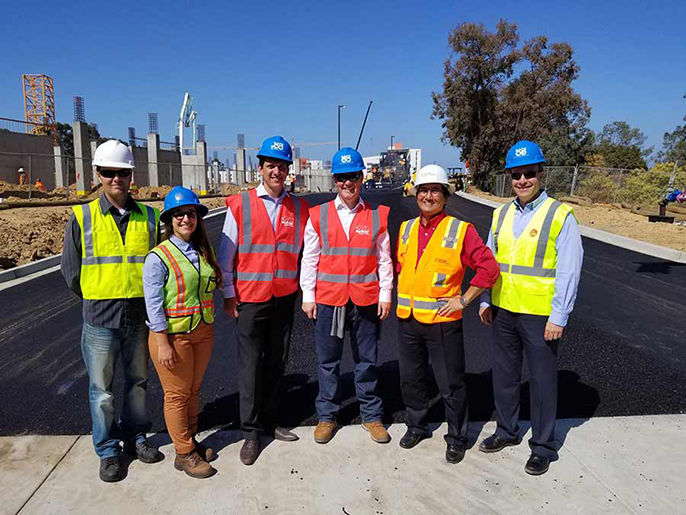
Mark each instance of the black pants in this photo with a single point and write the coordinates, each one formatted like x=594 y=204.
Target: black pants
x=442 y=343
x=264 y=335
x=516 y=334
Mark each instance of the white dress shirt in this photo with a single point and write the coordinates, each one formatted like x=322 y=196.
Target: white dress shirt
x=229 y=238
x=312 y=249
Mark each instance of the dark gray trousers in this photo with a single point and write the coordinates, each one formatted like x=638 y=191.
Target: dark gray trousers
x=514 y=335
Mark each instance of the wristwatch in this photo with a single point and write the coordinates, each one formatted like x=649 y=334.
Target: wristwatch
x=463 y=301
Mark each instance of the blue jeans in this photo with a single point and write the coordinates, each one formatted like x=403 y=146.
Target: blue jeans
x=363 y=324
x=100 y=348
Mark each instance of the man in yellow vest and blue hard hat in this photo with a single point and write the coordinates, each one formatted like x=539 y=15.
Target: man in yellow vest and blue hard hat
x=537 y=244
x=105 y=245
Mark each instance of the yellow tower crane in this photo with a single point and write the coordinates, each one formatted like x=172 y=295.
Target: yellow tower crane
x=39 y=103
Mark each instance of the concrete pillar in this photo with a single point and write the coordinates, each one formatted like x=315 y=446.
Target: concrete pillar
x=61 y=168
x=82 y=154
x=201 y=167
x=240 y=167
x=153 y=159
x=215 y=175
x=94 y=175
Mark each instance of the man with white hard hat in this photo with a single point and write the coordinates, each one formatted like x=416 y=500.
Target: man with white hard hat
x=434 y=250
x=105 y=245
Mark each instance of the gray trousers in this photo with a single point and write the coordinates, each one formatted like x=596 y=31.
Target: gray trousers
x=516 y=335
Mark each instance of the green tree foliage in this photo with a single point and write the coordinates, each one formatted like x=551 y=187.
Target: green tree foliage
x=674 y=145
x=496 y=93
x=622 y=146
x=640 y=187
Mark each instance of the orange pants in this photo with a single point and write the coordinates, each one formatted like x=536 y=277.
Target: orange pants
x=182 y=383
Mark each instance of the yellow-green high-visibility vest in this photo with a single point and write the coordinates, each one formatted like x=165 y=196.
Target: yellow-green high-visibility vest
x=527 y=264
x=111 y=269
x=188 y=291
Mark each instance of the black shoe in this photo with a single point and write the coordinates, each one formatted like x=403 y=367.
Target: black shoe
x=495 y=443
x=110 y=470
x=249 y=452
x=454 y=453
x=411 y=438
x=537 y=465
x=144 y=451
x=284 y=435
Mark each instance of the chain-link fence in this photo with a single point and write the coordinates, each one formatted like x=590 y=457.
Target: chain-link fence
x=603 y=185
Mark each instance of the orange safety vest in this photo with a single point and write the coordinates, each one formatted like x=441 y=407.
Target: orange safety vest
x=347 y=267
x=438 y=273
x=267 y=259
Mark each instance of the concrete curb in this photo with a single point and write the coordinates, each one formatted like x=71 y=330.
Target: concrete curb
x=48 y=262
x=606 y=237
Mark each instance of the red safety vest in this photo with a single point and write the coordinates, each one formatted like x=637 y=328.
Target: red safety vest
x=266 y=263
x=347 y=268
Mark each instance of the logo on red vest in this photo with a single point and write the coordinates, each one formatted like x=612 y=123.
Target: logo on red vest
x=363 y=230
x=288 y=221
x=533 y=233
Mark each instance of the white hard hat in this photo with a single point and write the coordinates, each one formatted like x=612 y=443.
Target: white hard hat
x=432 y=174
x=113 y=154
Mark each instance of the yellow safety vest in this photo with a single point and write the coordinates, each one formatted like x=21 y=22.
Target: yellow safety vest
x=527 y=264
x=110 y=269
x=438 y=274
x=188 y=291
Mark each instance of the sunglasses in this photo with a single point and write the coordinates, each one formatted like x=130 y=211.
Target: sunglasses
x=109 y=174
x=342 y=177
x=179 y=215
x=518 y=175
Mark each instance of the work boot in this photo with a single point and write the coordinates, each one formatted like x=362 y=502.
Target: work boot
x=193 y=465
x=110 y=470
x=206 y=453
x=324 y=431
x=377 y=431
x=144 y=451
x=249 y=452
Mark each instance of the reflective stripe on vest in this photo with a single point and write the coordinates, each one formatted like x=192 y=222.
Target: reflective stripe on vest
x=187 y=291
x=527 y=263
x=438 y=274
x=347 y=267
x=110 y=268
x=267 y=259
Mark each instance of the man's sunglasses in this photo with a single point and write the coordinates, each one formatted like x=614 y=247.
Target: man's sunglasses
x=109 y=174
x=518 y=175
x=342 y=177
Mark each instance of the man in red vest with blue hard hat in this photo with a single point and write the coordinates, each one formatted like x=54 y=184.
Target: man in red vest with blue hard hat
x=347 y=278
x=537 y=244
x=260 y=247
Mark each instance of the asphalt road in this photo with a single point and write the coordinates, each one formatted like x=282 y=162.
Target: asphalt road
x=623 y=353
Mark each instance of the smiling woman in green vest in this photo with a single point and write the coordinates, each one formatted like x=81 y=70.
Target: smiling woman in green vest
x=178 y=278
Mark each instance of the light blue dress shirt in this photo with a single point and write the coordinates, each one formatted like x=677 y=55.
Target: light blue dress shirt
x=155 y=276
x=570 y=255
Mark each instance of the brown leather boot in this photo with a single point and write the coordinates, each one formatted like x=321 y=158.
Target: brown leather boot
x=193 y=465
x=377 y=431
x=324 y=431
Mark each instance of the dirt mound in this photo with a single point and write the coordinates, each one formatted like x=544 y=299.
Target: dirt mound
x=153 y=191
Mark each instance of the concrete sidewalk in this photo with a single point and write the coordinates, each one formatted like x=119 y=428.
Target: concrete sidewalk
x=607 y=465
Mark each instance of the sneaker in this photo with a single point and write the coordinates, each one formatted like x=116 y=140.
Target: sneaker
x=144 y=451
x=324 y=431
x=377 y=431
x=193 y=465
x=110 y=470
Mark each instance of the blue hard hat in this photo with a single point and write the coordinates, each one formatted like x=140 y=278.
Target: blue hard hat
x=277 y=148
x=347 y=160
x=180 y=196
x=524 y=153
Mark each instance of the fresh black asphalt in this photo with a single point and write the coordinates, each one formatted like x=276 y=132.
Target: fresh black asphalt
x=623 y=353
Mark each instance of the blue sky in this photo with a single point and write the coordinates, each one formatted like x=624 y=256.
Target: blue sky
x=264 y=68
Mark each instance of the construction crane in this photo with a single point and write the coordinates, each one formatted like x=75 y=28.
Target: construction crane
x=186 y=119
x=39 y=104
x=309 y=144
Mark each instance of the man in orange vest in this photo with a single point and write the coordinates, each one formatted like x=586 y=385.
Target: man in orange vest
x=347 y=278
x=260 y=246
x=433 y=252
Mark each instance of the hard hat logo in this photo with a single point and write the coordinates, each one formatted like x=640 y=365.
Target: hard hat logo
x=346 y=159
x=520 y=152
x=277 y=145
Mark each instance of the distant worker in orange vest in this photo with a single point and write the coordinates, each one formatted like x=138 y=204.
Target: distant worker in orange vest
x=347 y=279
x=261 y=242
x=22 y=175
x=434 y=251
x=39 y=185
